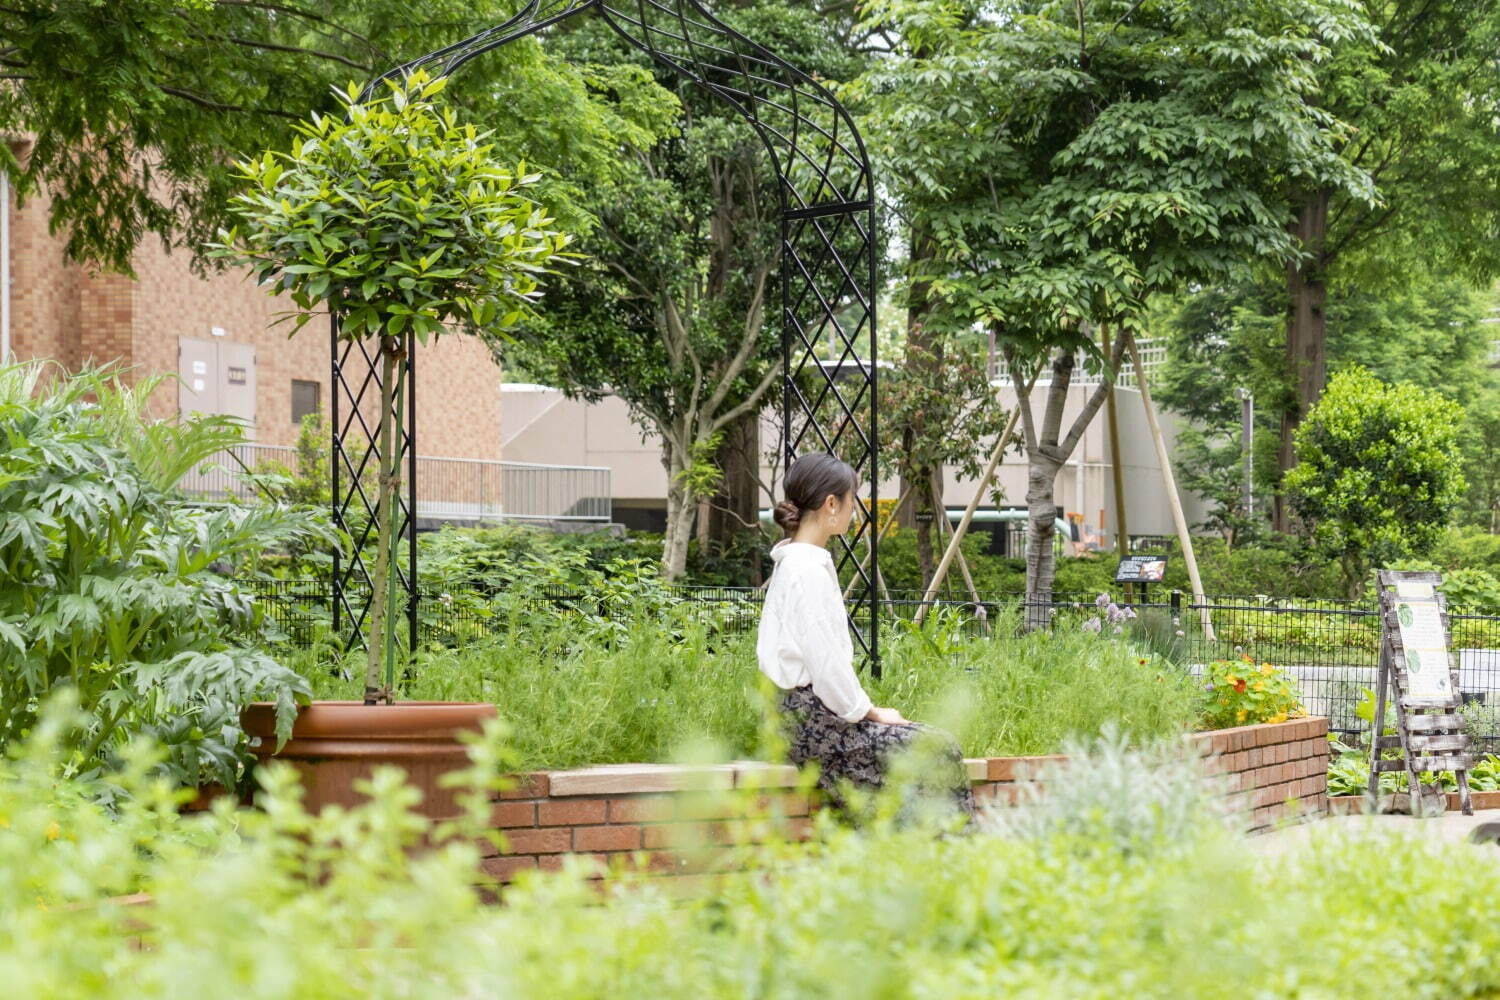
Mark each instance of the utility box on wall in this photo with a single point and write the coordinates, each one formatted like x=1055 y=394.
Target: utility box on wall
x=218 y=376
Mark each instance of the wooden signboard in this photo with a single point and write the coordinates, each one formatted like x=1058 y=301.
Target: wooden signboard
x=1417 y=675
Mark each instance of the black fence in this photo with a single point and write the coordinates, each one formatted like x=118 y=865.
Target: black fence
x=1331 y=647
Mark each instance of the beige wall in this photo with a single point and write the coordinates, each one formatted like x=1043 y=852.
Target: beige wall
x=61 y=312
x=543 y=426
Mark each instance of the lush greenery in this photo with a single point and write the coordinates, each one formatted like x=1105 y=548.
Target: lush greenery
x=400 y=220
x=1378 y=471
x=1245 y=693
x=114 y=587
x=136 y=112
x=1097 y=885
x=641 y=681
x=1059 y=164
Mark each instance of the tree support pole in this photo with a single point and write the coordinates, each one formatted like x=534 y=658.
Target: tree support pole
x=1122 y=532
x=1174 y=502
x=963 y=525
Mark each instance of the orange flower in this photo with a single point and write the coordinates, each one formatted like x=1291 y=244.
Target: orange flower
x=1142 y=661
x=1240 y=685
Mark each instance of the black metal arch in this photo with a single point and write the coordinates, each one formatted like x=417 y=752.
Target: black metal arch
x=828 y=277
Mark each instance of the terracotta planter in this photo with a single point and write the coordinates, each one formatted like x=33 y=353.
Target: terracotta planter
x=335 y=743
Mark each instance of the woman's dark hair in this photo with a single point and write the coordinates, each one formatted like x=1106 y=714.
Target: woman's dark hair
x=812 y=479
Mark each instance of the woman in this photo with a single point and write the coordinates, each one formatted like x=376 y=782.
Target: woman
x=804 y=647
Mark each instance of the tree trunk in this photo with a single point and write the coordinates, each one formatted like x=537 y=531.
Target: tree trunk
x=1041 y=557
x=375 y=637
x=1306 y=335
x=681 y=512
x=931 y=497
x=920 y=359
x=736 y=507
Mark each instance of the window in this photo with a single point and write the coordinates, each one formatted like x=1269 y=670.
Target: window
x=304 y=399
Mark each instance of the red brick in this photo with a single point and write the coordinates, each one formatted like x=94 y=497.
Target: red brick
x=545 y=840
x=509 y=814
x=1267 y=735
x=505 y=868
x=1021 y=768
x=642 y=809
x=572 y=812
x=527 y=786
x=606 y=838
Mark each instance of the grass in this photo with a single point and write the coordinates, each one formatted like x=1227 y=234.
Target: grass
x=580 y=690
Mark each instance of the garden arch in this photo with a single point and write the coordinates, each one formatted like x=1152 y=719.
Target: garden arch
x=827 y=277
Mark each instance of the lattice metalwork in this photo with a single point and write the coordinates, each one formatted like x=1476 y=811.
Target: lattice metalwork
x=828 y=251
x=356 y=460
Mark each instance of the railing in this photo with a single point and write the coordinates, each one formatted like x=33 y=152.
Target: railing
x=1153 y=352
x=448 y=489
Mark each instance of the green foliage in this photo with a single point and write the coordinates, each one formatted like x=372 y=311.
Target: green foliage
x=1069 y=162
x=395 y=215
x=596 y=681
x=1377 y=471
x=136 y=111
x=1349 y=772
x=112 y=585
x=1245 y=693
x=1099 y=884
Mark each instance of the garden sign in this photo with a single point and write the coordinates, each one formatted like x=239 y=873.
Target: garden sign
x=1417 y=675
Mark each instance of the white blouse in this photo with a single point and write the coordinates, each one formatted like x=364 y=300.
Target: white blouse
x=804 y=630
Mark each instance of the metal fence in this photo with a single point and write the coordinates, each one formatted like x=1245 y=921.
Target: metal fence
x=1332 y=648
x=463 y=490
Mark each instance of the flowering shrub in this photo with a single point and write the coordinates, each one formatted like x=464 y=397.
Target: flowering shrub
x=1110 y=615
x=1245 y=693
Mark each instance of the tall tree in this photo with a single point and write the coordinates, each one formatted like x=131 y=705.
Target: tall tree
x=1422 y=98
x=137 y=110
x=670 y=310
x=1072 y=160
x=1428 y=331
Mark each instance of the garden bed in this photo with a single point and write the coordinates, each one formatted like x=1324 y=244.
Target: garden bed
x=688 y=820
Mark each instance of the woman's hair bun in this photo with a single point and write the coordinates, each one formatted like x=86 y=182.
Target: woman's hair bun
x=788 y=515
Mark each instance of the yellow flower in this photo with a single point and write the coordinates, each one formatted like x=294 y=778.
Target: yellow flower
x=1267 y=669
x=1239 y=716
x=1278 y=717
x=1231 y=680
x=53 y=830
x=1260 y=685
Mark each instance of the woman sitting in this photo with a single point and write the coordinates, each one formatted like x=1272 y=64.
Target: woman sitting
x=805 y=648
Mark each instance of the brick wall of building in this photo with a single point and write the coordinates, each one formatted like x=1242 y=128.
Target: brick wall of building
x=62 y=312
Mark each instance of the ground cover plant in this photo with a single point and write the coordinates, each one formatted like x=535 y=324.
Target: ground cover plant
x=581 y=687
x=1098 y=885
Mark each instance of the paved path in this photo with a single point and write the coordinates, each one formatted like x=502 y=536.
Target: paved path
x=1452 y=826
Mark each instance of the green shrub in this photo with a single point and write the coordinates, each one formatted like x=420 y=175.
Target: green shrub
x=638 y=682
x=111 y=583
x=1109 y=890
x=1245 y=693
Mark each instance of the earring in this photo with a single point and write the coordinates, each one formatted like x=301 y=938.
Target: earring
x=832 y=521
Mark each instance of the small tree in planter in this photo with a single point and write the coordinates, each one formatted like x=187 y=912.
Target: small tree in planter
x=398 y=219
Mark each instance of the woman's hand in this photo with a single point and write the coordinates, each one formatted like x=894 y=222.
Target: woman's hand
x=886 y=716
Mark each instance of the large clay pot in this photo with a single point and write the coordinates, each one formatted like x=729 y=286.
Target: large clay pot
x=335 y=743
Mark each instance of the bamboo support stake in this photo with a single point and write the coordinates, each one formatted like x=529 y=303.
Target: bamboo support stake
x=963 y=525
x=946 y=529
x=1116 y=467
x=1174 y=502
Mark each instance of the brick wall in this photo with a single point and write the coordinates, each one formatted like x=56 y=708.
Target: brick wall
x=63 y=312
x=675 y=820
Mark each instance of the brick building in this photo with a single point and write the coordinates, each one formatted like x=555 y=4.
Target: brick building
x=217 y=334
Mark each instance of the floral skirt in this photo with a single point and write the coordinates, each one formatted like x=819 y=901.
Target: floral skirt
x=861 y=753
